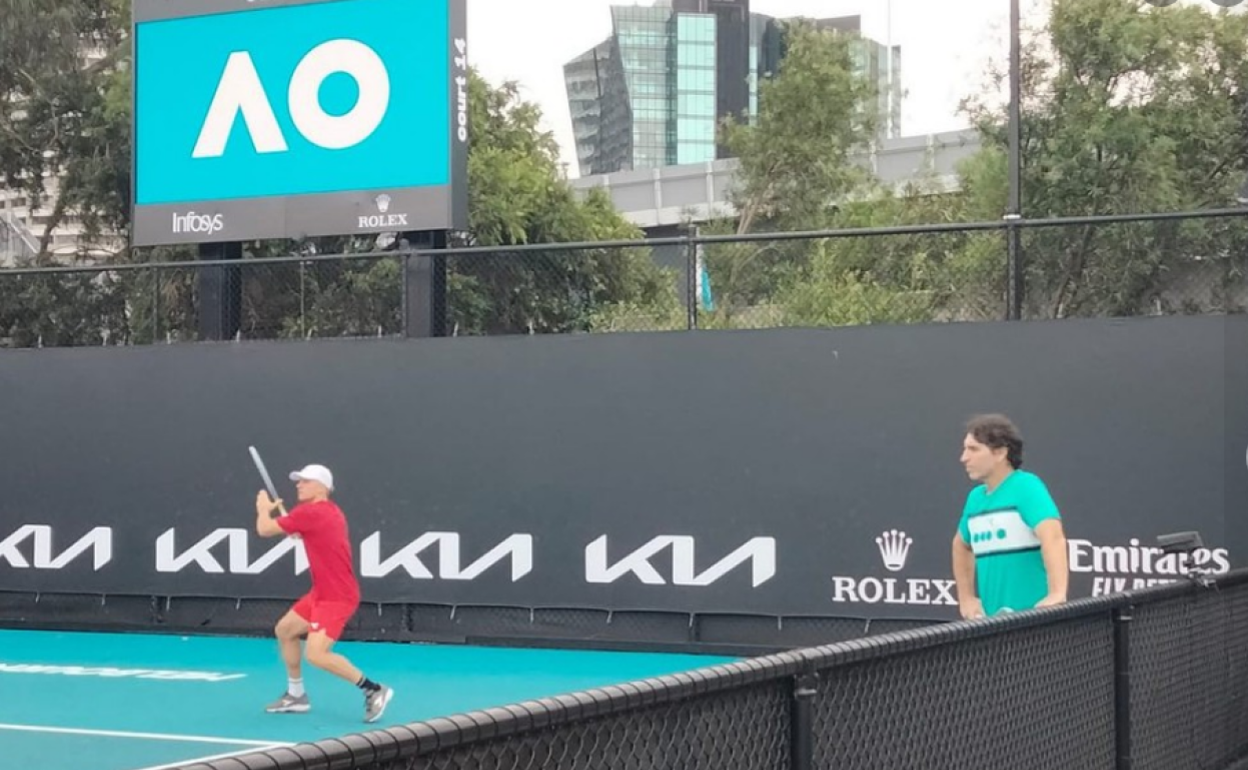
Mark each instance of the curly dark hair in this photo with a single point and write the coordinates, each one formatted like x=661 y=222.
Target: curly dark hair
x=996 y=431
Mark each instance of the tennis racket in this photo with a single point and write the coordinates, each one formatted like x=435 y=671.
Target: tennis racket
x=264 y=475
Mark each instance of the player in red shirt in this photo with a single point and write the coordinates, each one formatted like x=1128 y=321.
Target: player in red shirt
x=323 y=612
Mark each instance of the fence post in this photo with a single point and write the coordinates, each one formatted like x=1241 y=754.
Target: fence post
x=801 y=722
x=303 y=299
x=156 y=306
x=424 y=282
x=220 y=292
x=691 y=280
x=1014 y=206
x=405 y=293
x=1014 y=268
x=1122 y=688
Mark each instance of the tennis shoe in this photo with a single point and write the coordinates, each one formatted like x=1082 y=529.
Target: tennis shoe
x=375 y=703
x=289 y=704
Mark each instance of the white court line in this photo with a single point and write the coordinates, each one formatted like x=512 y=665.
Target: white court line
x=196 y=760
x=149 y=736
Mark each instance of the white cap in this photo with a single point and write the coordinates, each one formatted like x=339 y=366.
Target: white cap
x=314 y=473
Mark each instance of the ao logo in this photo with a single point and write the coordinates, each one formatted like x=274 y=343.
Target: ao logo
x=240 y=90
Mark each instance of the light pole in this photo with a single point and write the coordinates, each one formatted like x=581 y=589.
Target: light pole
x=1013 y=234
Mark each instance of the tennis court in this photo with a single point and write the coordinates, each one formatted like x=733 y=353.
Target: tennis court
x=139 y=702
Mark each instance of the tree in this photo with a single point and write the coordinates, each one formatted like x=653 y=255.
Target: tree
x=518 y=196
x=64 y=109
x=898 y=278
x=798 y=171
x=813 y=116
x=1128 y=109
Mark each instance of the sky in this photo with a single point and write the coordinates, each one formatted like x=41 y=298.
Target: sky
x=944 y=48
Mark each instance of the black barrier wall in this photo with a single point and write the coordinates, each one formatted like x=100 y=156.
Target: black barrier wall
x=1150 y=680
x=775 y=473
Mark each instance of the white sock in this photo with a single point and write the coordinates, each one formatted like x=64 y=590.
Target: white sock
x=295 y=687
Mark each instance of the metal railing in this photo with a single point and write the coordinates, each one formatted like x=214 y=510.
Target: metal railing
x=17 y=244
x=1147 y=264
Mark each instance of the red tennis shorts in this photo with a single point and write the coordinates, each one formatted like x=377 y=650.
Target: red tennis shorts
x=327 y=616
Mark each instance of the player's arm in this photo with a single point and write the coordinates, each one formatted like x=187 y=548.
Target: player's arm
x=1042 y=515
x=1053 y=549
x=266 y=525
x=964 y=576
x=969 y=604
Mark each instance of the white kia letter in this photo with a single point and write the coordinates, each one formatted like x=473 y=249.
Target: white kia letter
x=240 y=554
x=100 y=540
x=168 y=560
x=759 y=551
x=637 y=562
x=518 y=547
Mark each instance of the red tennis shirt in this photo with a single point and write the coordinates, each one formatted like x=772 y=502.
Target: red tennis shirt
x=326 y=540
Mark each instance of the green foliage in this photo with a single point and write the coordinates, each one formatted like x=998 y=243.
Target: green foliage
x=796 y=163
x=899 y=278
x=64 y=110
x=518 y=197
x=1129 y=110
x=864 y=277
x=812 y=117
x=802 y=169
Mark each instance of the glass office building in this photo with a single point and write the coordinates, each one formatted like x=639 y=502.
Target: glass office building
x=652 y=94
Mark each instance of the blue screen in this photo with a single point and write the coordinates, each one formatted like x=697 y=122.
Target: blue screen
x=181 y=61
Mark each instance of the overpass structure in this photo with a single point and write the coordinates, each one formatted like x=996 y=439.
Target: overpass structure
x=662 y=198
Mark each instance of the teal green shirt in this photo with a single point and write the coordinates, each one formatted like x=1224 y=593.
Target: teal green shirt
x=1000 y=528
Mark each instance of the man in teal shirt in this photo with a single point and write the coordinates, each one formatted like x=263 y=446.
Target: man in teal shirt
x=1009 y=553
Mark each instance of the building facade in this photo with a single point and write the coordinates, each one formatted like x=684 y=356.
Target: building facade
x=22 y=227
x=652 y=94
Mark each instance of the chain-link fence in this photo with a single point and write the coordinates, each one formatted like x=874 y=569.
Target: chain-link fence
x=1161 y=264
x=337 y=296
x=1150 y=267
x=851 y=278
x=1189 y=681
x=1147 y=679
x=560 y=290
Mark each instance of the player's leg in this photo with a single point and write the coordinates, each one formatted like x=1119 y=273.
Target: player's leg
x=321 y=655
x=327 y=627
x=289 y=630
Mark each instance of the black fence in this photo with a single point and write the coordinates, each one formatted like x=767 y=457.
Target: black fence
x=1148 y=680
x=1153 y=264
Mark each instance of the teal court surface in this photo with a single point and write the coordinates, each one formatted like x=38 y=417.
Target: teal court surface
x=94 y=701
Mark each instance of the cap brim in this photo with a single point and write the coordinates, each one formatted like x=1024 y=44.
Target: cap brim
x=297 y=476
